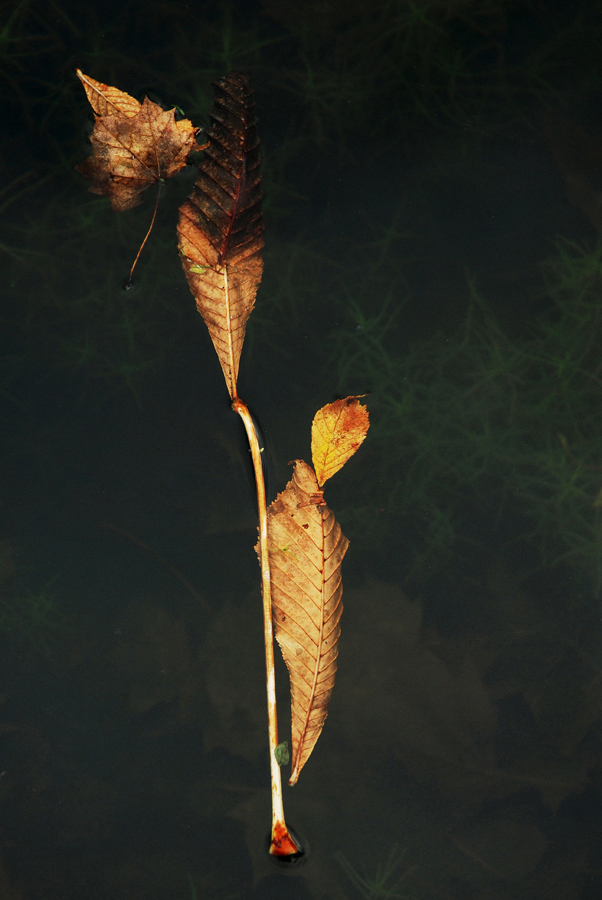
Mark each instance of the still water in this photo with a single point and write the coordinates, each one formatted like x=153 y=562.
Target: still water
x=431 y=188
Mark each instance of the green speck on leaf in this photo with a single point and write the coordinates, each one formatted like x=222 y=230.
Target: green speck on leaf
x=199 y=270
x=281 y=754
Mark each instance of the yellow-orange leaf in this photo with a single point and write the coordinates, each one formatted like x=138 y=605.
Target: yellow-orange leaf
x=134 y=144
x=306 y=548
x=337 y=431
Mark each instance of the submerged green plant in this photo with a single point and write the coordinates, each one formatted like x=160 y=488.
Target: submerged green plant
x=33 y=619
x=193 y=891
x=487 y=427
x=386 y=883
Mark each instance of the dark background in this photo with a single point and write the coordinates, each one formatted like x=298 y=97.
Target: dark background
x=432 y=178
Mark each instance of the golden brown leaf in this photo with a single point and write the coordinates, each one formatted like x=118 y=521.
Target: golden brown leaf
x=337 y=431
x=306 y=548
x=220 y=226
x=106 y=100
x=134 y=144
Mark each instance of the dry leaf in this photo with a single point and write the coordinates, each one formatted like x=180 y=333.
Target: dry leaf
x=134 y=145
x=106 y=100
x=220 y=226
x=307 y=547
x=337 y=431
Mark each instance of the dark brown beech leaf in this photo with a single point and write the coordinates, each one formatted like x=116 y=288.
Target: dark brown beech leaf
x=306 y=547
x=220 y=227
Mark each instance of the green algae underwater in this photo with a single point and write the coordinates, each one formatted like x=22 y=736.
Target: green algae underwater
x=431 y=174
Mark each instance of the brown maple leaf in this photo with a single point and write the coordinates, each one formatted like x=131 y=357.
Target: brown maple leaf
x=134 y=144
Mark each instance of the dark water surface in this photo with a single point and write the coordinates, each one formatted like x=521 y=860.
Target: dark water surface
x=432 y=178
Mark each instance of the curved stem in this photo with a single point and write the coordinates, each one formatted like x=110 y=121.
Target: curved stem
x=281 y=844
x=128 y=282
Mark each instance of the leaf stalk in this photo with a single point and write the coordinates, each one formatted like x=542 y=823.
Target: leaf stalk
x=282 y=843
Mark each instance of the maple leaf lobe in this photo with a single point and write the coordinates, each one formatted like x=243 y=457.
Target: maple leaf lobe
x=133 y=145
